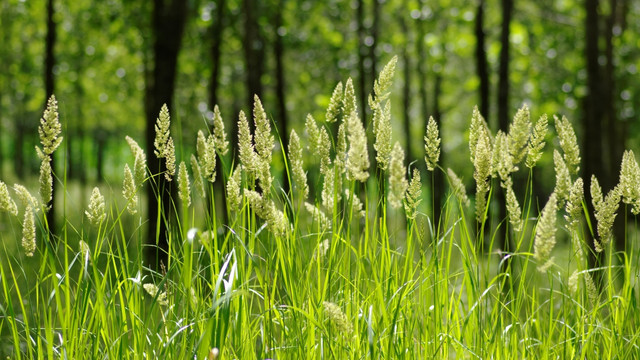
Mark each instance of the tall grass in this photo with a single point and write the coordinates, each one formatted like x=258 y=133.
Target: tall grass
x=339 y=273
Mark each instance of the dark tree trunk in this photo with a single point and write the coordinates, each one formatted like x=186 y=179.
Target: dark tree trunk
x=503 y=72
x=168 y=22
x=216 y=50
x=49 y=85
x=593 y=113
x=100 y=141
x=615 y=134
x=502 y=237
x=254 y=52
x=278 y=50
x=482 y=68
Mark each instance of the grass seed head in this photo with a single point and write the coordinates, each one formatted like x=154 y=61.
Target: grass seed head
x=382 y=131
x=412 y=197
x=335 y=104
x=197 y=176
x=29 y=232
x=630 y=181
x=263 y=139
x=513 y=208
x=482 y=165
x=337 y=317
x=397 y=177
x=563 y=178
x=246 y=150
x=519 y=132
x=129 y=190
x=385 y=80
x=328 y=191
x=536 y=142
x=568 y=143
x=234 y=189
x=605 y=212
x=50 y=128
x=25 y=197
x=357 y=156
x=573 y=208
x=295 y=159
x=46 y=182
x=6 y=203
x=184 y=191
x=96 y=209
x=432 y=144
x=218 y=132
x=545 y=239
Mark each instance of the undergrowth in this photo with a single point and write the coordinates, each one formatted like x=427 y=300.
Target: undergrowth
x=348 y=263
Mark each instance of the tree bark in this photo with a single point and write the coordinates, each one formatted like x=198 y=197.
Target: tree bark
x=254 y=52
x=49 y=82
x=615 y=132
x=482 y=68
x=502 y=237
x=217 y=28
x=168 y=22
x=593 y=113
x=503 y=71
x=278 y=49
x=216 y=50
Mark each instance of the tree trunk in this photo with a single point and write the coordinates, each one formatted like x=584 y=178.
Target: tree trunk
x=593 y=114
x=49 y=61
x=100 y=141
x=216 y=50
x=482 y=68
x=283 y=123
x=615 y=134
x=502 y=237
x=168 y=22
x=254 y=52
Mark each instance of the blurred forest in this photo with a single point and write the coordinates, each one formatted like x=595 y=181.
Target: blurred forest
x=113 y=63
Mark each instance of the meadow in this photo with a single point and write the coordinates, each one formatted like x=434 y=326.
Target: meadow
x=353 y=261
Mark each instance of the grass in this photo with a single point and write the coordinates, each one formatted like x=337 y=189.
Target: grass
x=378 y=286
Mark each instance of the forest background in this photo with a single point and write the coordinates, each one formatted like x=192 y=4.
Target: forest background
x=112 y=64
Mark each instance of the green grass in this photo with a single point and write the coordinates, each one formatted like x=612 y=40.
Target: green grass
x=376 y=287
